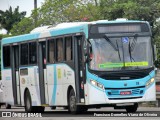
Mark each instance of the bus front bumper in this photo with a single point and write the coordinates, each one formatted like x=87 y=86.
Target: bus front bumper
x=97 y=96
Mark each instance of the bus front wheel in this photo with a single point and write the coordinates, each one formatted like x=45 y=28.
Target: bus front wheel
x=73 y=107
x=132 y=109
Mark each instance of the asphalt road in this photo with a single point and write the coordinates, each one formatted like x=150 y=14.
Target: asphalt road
x=143 y=113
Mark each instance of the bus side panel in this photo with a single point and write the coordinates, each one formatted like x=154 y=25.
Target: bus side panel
x=59 y=78
x=150 y=94
x=23 y=87
x=69 y=80
x=94 y=95
x=34 y=88
x=50 y=80
x=1 y=91
x=8 y=89
x=65 y=78
x=31 y=83
x=86 y=94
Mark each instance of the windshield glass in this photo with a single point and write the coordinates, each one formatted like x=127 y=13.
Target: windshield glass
x=127 y=53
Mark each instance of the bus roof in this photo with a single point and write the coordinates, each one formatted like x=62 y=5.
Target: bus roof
x=60 y=29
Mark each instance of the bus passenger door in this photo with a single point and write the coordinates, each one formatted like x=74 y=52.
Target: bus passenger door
x=79 y=68
x=42 y=72
x=15 y=74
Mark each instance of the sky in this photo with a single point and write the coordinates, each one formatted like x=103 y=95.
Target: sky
x=24 y=5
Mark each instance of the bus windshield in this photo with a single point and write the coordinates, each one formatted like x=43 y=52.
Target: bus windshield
x=129 y=53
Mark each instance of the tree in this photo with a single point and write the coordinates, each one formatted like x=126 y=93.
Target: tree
x=148 y=10
x=4 y=36
x=9 y=17
x=58 y=11
x=23 y=27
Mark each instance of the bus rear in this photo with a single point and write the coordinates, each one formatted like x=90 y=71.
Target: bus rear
x=120 y=68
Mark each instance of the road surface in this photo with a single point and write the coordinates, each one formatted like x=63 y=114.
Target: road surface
x=143 y=113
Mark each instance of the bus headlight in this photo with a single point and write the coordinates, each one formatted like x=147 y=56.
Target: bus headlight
x=149 y=82
x=95 y=83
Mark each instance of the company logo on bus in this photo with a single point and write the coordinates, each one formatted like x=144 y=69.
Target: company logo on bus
x=125 y=84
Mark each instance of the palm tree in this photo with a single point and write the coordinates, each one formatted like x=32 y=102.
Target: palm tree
x=9 y=17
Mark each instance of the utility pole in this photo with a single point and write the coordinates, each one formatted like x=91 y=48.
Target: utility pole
x=35 y=8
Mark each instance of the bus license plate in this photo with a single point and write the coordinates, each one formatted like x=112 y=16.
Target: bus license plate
x=125 y=93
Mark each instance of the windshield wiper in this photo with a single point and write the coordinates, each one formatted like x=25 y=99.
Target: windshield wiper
x=133 y=44
x=110 y=42
x=131 y=47
x=130 y=53
x=116 y=48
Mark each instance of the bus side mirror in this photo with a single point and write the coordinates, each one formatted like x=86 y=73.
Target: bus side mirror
x=88 y=57
x=87 y=52
x=157 y=63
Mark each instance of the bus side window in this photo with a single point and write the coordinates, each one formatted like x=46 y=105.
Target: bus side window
x=33 y=53
x=24 y=54
x=51 y=51
x=6 y=56
x=68 y=48
x=59 y=49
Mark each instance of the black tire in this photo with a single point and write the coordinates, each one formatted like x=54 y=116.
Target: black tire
x=65 y=108
x=39 y=109
x=53 y=107
x=84 y=109
x=72 y=106
x=8 y=106
x=132 y=109
x=28 y=103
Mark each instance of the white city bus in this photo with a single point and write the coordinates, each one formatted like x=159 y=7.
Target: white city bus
x=79 y=66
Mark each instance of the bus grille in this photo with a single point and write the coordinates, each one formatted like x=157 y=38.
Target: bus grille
x=115 y=94
x=130 y=76
x=123 y=74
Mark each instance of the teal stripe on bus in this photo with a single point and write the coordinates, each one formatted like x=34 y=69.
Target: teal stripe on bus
x=70 y=30
x=54 y=87
x=20 y=38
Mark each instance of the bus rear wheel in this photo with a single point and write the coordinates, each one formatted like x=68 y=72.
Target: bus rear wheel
x=8 y=106
x=28 y=105
x=84 y=109
x=27 y=101
x=39 y=109
x=132 y=109
x=72 y=106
